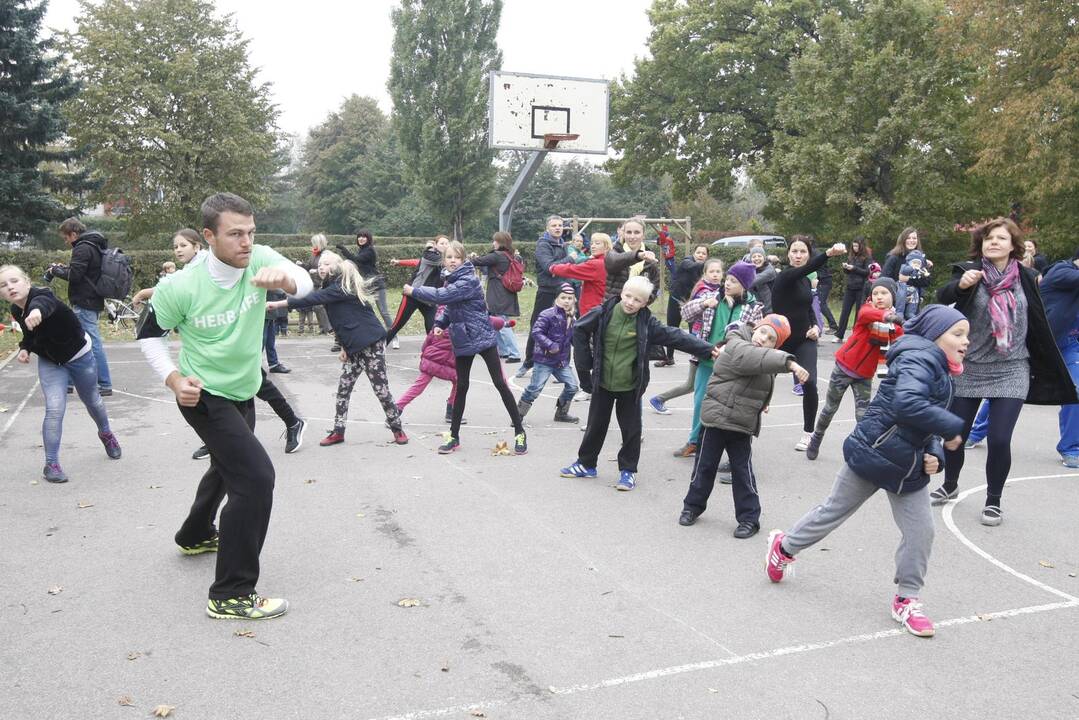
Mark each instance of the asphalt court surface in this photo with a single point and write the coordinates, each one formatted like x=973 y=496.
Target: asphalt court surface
x=536 y=596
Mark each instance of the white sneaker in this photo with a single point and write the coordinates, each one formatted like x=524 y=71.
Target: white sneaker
x=803 y=443
x=582 y=397
x=395 y=343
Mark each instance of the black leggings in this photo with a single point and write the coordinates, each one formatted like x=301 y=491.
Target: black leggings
x=1003 y=415
x=408 y=306
x=852 y=300
x=268 y=393
x=494 y=367
x=674 y=318
x=824 y=289
x=805 y=354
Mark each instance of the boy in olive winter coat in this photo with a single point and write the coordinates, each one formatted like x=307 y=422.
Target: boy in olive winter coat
x=739 y=390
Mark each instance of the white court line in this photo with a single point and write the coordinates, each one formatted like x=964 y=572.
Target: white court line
x=731 y=661
x=15 y=415
x=1069 y=602
x=949 y=521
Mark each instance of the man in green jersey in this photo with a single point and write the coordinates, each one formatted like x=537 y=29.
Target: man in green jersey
x=218 y=307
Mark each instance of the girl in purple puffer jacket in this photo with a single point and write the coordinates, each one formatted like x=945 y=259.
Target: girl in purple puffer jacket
x=469 y=325
x=436 y=361
x=553 y=335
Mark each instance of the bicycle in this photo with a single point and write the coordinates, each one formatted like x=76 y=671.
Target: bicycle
x=121 y=314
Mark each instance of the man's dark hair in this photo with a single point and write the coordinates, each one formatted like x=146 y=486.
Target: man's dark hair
x=213 y=206
x=72 y=225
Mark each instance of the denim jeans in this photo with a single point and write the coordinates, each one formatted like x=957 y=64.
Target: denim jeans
x=82 y=373
x=507 y=341
x=269 y=342
x=1069 y=414
x=541 y=373
x=88 y=320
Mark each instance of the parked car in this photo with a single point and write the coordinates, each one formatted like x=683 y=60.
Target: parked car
x=770 y=241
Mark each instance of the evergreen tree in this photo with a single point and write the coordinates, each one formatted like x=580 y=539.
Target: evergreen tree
x=33 y=160
x=443 y=51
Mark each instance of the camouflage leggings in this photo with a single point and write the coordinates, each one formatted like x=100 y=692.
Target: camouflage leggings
x=372 y=361
x=837 y=387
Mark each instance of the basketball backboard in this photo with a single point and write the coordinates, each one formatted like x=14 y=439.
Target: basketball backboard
x=523 y=108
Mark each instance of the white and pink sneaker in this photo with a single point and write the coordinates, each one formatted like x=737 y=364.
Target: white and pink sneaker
x=777 y=560
x=908 y=613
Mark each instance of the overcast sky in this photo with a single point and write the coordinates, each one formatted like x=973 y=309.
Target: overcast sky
x=317 y=52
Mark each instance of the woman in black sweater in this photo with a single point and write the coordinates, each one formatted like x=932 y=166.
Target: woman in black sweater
x=51 y=330
x=856 y=269
x=366 y=261
x=793 y=298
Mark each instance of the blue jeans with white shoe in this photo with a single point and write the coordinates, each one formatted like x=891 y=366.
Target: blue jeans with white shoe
x=1068 y=447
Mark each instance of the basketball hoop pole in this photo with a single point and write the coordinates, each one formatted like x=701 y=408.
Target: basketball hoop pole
x=505 y=212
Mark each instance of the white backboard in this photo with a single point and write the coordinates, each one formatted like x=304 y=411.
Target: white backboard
x=523 y=107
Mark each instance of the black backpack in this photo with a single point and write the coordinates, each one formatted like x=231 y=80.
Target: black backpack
x=116 y=274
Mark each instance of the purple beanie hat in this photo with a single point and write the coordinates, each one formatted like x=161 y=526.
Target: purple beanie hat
x=744 y=273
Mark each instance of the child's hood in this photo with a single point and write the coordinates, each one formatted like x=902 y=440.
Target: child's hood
x=916 y=344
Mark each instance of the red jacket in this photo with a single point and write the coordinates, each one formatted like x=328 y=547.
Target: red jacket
x=594 y=274
x=865 y=347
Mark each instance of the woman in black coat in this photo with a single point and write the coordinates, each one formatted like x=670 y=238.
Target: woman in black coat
x=1013 y=357
x=366 y=261
x=856 y=269
x=501 y=302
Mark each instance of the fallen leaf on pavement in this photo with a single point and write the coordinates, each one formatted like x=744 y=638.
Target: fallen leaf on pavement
x=985 y=617
x=83 y=504
x=244 y=633
x=501 y=448
x=477 y=713
x=163 y=710
x=126 y=701
x=491 y=432
x=1071 y=574
x=310 y=481
x=56 y=589
x=134 y=655
x=1046 y=564
x=355 y=579
x=360 y=515
x=153 y=487
x=445 y=666
x=715 y=690
x=408 y=602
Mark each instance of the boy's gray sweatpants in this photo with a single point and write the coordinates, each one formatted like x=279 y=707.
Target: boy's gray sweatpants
x=911 y=512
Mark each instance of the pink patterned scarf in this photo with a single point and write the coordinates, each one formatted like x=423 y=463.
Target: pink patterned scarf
x=1001 y=287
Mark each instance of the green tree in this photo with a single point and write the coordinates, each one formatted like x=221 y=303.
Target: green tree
x=443 y=51
x=872 y=134
x=34 y=161
x=351 y=171
x=1026 y=103
x=703 y=103
x=171 y=110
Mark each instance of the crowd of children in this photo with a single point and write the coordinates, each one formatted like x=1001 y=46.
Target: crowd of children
x=747 y=323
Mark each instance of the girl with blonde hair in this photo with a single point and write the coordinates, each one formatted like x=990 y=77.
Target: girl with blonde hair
x=348 y=300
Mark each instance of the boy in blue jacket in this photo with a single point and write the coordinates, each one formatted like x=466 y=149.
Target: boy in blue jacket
x=1060 y=292
x=896 y=446
x=552 y=336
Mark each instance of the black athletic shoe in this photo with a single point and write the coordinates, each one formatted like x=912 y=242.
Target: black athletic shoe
x=294 y=436
x=279 y=368
x=201 y=454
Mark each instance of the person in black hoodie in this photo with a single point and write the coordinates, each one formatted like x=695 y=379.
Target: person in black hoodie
x=366 y=261
x=82 y=274
x=51 y=330
x=428 y=274
x=856 y=269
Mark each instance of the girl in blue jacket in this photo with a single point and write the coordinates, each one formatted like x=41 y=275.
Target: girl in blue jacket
x=471 y=333
x=896 y=446
x=349 y=304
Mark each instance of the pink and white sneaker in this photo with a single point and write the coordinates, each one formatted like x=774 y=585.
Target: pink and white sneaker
x=777 y=560
x=908 y=612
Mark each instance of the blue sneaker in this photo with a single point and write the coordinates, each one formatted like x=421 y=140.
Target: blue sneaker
x=798 y=390
x=658 y=405
x=1071 y=461
x=626 y=481
x=577 y=470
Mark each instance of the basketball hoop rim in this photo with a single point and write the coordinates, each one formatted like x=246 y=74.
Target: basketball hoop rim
x=551 y=140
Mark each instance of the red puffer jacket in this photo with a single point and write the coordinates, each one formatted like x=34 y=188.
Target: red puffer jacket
x=868 y=341
x=436 y=355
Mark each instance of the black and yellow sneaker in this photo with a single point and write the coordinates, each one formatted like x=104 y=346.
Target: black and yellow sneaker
x=520 y=444
x=250 y=607
x=198 y=548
